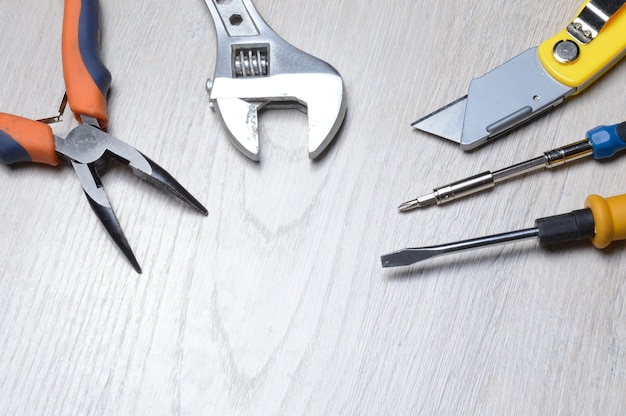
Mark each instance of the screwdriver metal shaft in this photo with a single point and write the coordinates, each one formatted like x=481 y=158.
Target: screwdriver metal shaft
x=488 y=180
x=601 y=142
x=410 y=256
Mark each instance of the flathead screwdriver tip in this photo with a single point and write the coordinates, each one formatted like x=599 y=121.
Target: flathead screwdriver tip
x=408 y=256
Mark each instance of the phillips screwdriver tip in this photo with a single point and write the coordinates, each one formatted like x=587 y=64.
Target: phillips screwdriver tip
x=408 y=206
x=421 y=202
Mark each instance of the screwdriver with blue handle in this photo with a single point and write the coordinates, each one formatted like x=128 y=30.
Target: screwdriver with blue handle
x=603 y=220
x=601 y=142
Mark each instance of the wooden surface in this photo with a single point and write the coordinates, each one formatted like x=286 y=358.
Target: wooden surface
x=276 y=304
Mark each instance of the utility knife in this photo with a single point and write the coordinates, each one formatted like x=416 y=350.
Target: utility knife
x=536 y=80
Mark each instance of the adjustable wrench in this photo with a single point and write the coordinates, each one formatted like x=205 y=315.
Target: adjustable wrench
x=256 y=68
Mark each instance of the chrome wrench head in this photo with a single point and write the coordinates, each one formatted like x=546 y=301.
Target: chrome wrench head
x=256 y=68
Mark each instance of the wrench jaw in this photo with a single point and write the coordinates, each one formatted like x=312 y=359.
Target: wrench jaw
x=241 y=121
x=326 y=112
x=320 y=95
x=256 y=68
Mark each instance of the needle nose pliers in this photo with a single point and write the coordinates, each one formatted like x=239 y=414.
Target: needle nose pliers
x=87 y=147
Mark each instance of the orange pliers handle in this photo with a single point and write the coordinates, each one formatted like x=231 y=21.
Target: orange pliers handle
x=86 y=78
x=25 y=140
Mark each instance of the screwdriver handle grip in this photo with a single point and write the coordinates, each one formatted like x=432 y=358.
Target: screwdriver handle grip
x=573 y=226
x=607 y=140
x=609 y=215
x=25 y=140
x=86 y=78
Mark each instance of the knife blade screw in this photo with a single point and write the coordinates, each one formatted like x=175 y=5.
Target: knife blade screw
x=566 y=51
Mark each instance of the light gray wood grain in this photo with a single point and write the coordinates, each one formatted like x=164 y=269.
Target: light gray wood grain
x=276 y=303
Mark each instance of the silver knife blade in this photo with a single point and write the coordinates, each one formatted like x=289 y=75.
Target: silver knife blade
x=504 y=98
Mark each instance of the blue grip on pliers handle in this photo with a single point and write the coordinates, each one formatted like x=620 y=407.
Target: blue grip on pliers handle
x=87 y=80
x=25 y=140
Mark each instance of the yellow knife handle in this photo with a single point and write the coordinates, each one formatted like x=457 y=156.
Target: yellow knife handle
x=594 y=58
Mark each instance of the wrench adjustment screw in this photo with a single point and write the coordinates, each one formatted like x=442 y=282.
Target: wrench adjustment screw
x=250 y=62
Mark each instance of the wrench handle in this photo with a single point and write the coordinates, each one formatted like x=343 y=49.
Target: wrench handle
x=235 y=18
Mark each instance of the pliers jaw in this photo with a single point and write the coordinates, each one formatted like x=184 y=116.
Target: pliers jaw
x=92 y=186
x=257 y=69
x=88 y=149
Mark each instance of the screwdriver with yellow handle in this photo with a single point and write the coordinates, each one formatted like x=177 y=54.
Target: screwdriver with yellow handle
x=603 y=220
x=601 y=142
